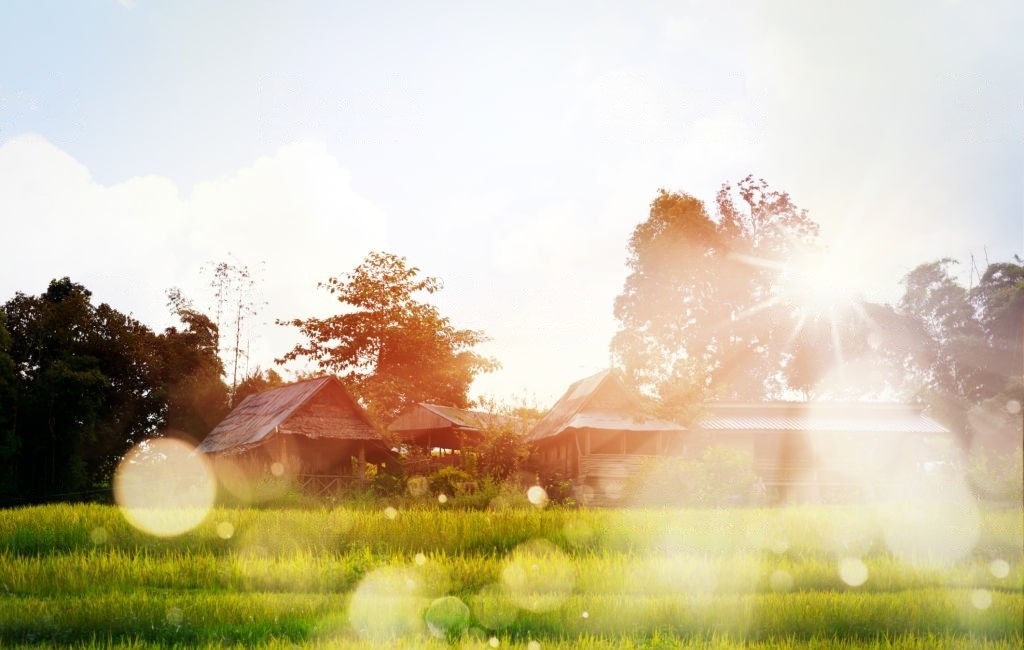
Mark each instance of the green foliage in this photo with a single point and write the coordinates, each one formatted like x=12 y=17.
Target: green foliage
x=392 y=349
x=722 y=476
x=89 y=382
x=191 y=372
x=450 y=481
x=685 y=310
x=997 y=474
x=257 y=382
x=8 y=411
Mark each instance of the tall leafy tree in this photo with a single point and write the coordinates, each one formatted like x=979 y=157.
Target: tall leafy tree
x=85 y=393
x=392 y=348
x=195 y=395
x=257 y=382
x=8 y=410
x=999 y=302
x=699 y=310
x=90 y=382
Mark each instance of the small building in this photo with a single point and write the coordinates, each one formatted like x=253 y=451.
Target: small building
x=599 y=435
x=430 y=426
x=813 y=451
x=311 y=431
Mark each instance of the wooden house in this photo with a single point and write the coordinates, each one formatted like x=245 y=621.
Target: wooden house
x=430 y=426
x=812 y=451
x=599 y=435
x=312 y=432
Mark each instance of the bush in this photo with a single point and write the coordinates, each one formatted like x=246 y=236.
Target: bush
x=450 y=481
x=722 y=476
x=997 y=475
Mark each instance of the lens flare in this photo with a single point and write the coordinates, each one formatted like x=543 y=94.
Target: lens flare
x=417 y=485
x=1000 y=568
x=164 y=487
x=981 y=598
x=492 y=608
x=936 y=523
x=388 y=604
x=99 y=536
x=780 y=581
x=175 y=616
x=225 y=530
x=853 y=571
x=538 y=577
x=537 y=496
x=447 y=617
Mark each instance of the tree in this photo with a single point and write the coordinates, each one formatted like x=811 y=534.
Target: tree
x=89 y=382
x=257 y=382
x=700 y=310
x=191 y=372
x=392 y=349
x=999 y=302
x=960 y=348
x=86 y=387
x=234 y=307
x=8 y=410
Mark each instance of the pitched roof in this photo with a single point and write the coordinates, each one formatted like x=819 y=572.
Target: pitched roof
x=260 y=415
x=851 y=417
x=428 y=416
x=601 y=401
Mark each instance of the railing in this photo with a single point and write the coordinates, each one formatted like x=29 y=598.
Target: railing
x=425 y=466
x=323 y=485
x=613 y=465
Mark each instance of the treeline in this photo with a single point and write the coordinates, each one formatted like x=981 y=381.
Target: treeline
x=743 y=304
x=715 y=307
x=81 y=383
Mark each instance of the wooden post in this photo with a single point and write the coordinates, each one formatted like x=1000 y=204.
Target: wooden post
x=362 y=463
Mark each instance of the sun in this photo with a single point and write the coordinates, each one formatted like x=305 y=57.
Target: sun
x=819 y=282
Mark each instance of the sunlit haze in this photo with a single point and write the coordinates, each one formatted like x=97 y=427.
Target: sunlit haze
x=509 y=149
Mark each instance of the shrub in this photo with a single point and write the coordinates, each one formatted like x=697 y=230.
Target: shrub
x=450 y=481
x=722 y=476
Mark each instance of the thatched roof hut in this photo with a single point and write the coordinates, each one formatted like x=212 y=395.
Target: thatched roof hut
x=311 y=427
x=599 y=434
x=431 y=426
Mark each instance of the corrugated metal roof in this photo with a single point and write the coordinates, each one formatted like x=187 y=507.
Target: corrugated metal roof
x=619 y=422
x=259 y=415
x=864 y=417
x=579 y=409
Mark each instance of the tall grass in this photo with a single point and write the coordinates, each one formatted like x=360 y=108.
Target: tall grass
x=593 y=579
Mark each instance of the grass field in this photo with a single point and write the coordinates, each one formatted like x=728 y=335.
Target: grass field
x=809 y=577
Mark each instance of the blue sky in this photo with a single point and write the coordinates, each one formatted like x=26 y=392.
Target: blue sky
x=508 y=148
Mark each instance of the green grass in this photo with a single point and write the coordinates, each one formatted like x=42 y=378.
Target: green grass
x=81 y=575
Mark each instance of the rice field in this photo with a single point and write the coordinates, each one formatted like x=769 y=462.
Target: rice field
x=801 y=577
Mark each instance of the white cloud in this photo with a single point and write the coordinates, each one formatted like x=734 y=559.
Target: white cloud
x=129 y=242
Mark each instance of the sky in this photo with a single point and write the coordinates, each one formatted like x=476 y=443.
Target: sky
x=508 y=148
